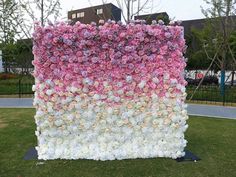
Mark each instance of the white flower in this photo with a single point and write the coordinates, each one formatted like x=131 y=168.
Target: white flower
x=87 y=81
x=173 y=81
x=106 y=132
x=130 y=93
x=155 y=121
x=183 y=89
x=58 y=122
x=105 y=83
x=129 y=79
x=119 y=84
x=142 y=84
x=120 y=92
x=155 y=80
x=73 y=89
x=117 y=99
x=179 y=86
x=120 y=123
x=166 y=76
x=96 y=97
x=77 y=98
x=85 y=89
x=33 y=88
x=41 y=86
x=49 y=92
x=70 y=117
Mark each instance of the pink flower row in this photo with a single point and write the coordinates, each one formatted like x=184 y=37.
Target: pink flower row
x=122 y=55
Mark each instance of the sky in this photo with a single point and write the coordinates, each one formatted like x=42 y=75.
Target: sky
x=177 y=9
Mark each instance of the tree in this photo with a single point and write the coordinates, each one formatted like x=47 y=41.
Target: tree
x=8 y=13
x=37 y=10
x=201 y=48
x=24 y=55
x=7 y=7
x=232 y=42
x=218 y=48
x=220 y=13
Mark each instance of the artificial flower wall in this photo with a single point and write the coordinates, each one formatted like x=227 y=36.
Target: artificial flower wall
x=108 y=92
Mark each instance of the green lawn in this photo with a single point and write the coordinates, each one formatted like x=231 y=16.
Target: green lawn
x=211 y=139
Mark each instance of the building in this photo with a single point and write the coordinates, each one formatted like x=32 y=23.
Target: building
x=200 y=23
x=155 y=16
x=95 y=13
x=189 y=24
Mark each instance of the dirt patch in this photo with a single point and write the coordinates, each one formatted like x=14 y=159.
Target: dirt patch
x=3 y=124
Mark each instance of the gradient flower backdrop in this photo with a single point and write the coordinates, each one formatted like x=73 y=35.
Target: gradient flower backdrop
x=111 y=91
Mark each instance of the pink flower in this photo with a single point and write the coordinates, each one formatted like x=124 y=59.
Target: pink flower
x=122 y=35
x=109 y=52
x=79 y=54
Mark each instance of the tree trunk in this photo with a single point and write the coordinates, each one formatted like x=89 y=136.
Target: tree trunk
x=128 y=11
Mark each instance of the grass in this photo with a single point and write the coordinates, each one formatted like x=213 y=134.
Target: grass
x=213 y=140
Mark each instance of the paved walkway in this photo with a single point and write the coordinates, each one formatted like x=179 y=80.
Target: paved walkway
x=193 y=109
x=16 y=102
x=212 y=111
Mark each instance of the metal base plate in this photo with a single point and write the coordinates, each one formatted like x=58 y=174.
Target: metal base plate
x=189 y=156
x=31 y=154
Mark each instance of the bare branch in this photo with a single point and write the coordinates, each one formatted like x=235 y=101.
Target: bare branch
x=122 y=13
x=231 y=53
x=140 y=9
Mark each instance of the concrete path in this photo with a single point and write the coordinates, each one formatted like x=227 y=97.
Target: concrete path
x=193 y=109
x=212 y=111
x=16 y=102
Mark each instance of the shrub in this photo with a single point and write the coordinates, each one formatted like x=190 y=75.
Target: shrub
x=5 y=76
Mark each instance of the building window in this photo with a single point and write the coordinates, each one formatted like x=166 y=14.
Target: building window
x=80 y=14
x=99 y=11
x=73 y=16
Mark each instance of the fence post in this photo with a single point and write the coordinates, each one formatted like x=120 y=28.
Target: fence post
x=19 y=88
x=222 y=85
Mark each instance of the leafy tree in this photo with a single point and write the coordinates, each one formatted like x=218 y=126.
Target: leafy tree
x=197 y=42
x=217 y=45
x=37 y=10
x=8 y=13
x=24 y=55
x=221 y=14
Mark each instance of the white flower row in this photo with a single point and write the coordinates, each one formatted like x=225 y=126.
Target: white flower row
x=87 y=127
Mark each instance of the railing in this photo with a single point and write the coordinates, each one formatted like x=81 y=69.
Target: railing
x=25 y=88
x=209 y=94
x=212 y=94
x=16 y=89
